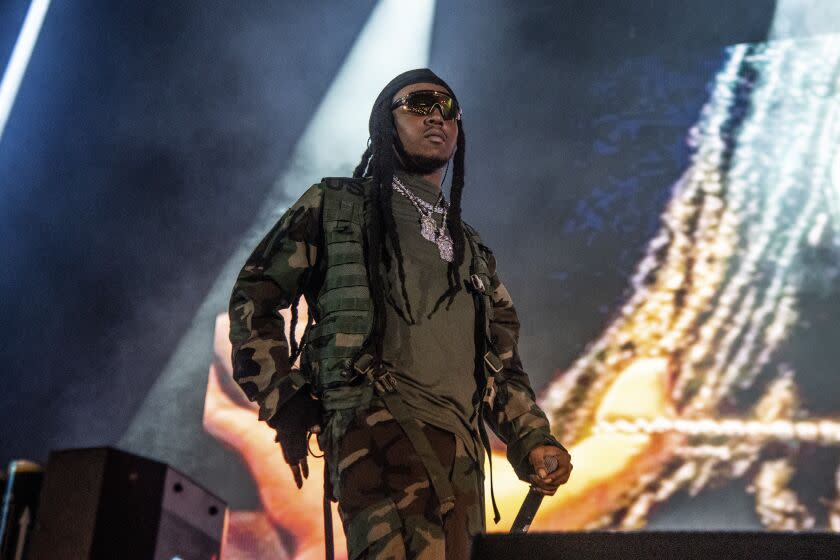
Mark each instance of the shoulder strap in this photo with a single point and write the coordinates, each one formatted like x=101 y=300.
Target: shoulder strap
x=343 y=199
x=490 y=364
x=478 y=285
x=349 y=187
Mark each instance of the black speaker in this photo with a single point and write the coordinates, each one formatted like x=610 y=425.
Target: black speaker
x=104 y=503
x=659 y=545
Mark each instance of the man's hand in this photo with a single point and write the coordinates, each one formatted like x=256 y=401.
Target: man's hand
x=299 y=416
x=548 y=482
x=301 y=469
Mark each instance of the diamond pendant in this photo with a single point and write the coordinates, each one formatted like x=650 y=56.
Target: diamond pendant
x=427 y=228
x=445 y=247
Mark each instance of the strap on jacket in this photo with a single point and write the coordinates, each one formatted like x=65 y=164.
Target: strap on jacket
x=489 y=365
x=386 y=388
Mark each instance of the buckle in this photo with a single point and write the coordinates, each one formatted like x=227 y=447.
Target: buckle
x=477 y=283
x=364 y=364
x=490 y=392
x=377 y=376
x=381 y=380
x=493 y=362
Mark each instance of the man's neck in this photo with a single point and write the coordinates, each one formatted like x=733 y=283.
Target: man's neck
x=434 y=178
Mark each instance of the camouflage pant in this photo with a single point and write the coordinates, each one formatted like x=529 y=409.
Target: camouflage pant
x=387 y=505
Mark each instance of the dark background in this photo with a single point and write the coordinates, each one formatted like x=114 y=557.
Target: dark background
x=146 y=136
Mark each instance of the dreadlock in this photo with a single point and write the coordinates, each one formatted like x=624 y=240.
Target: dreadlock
x=378 y=162
x=455 y=225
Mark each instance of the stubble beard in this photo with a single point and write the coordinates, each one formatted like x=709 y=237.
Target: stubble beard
x=418 y=164
x=424 y=165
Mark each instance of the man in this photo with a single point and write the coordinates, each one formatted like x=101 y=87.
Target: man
x=413 y=341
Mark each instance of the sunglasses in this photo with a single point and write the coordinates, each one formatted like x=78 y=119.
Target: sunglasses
x=424 y=102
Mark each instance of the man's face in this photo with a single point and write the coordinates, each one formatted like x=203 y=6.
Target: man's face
x=426 y=138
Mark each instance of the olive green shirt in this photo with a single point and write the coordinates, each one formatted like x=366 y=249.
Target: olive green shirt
x=431 y=354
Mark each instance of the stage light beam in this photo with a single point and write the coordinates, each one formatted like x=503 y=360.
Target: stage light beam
x=19 y=60
x=396 y=37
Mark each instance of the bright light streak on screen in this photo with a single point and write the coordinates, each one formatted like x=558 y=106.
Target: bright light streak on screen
x=804 y=18
x=20 y=58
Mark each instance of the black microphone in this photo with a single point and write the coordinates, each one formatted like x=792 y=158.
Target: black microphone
x=532 y=501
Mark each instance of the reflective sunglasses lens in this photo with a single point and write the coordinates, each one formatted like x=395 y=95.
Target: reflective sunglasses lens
x=423 y=102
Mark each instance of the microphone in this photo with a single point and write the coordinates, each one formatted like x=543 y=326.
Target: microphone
x=532 y=501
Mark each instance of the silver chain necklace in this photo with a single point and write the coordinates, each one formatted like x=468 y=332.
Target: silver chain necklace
x=428 y=228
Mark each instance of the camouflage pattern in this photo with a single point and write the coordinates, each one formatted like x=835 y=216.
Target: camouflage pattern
x=388 y=507
x=268 y=282
x=312 y=251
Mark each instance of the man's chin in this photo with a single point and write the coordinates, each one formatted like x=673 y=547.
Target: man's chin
x=423 y=165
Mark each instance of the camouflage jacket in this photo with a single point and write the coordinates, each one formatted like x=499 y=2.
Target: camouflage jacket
x=290 y=260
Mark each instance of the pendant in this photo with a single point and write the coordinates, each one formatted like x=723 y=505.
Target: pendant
x=427 y=228
x=445 y=247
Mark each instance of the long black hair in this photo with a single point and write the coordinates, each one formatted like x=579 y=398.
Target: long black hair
x=378 y=162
